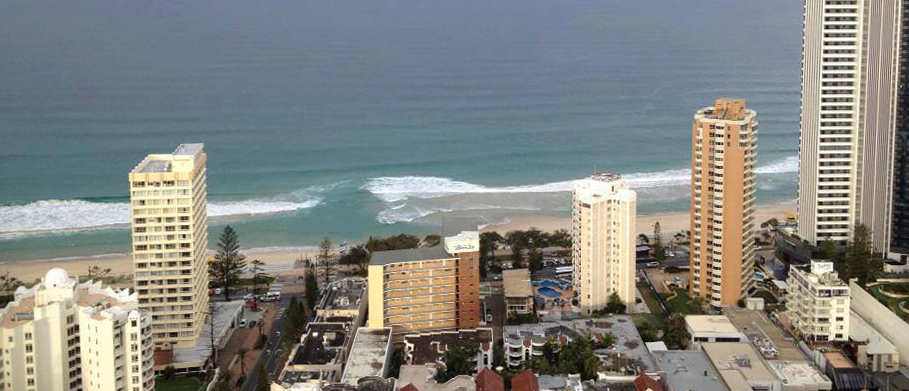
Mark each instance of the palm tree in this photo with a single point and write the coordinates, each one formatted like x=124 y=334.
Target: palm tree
x=242 y=353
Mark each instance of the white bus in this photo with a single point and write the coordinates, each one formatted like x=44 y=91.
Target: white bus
x=563 y=270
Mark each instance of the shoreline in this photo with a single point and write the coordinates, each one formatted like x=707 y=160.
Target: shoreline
x=670 y=222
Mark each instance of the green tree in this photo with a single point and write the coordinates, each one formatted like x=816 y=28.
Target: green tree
x=643 y=239
x=489 y=242
x=8 y=283
x=398 y=242
x=535 y=261
x=228 y=264
x=98 y=273
x=432 y=240
x=242 y=353
x=518 y=243
x=560 y=238
x=615 y=304
x=312 y=288
x=674 y=334
x=591 y=367
x=258 y=278
x=861 y=263
x=262 y=382
x=828 y=250
x=459 y=360
x=357 y=256
x=326 y=259
x=658 y=251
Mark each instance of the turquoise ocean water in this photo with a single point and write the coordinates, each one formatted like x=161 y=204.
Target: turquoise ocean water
x=355 y=118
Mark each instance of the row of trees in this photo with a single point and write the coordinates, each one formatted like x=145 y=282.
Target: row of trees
x=531 y=242
x=575 y=356
x=856 y=260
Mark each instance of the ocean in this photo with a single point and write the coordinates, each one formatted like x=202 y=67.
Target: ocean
x=355 y=118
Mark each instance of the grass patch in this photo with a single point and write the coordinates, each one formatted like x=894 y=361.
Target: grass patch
x=178 y=384
x=682 y=304
x=656 y=319
x=649 y=299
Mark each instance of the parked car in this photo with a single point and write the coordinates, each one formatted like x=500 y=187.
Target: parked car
x=653 y=264
x=248 y=297
x=242 y=322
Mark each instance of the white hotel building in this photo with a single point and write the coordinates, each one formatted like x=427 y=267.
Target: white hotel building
x=169 y=239
x=62 y=335
x=817 y=303
x=603 y=241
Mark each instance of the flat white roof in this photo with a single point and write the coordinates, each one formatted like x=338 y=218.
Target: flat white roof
x=861 y=331
x=368 y=354
x=710 y=324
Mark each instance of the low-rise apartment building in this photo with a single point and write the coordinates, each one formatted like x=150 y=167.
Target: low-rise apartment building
x=429 y=348
x=711 y=328
x=817 y=303
x=63 y=335
x=518 y=291
x=428 y=289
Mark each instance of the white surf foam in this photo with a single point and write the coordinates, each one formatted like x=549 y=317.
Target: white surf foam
x=396 y=191
x=48 y=216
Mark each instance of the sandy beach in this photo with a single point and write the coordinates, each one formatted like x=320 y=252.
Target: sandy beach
x=670 y=223
x=121 y=263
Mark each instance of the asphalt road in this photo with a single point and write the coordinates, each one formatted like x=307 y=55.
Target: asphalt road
x=270 y=352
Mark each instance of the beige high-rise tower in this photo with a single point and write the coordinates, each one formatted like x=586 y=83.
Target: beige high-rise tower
x=169 y=238
x=603 y=241
x=722 y=202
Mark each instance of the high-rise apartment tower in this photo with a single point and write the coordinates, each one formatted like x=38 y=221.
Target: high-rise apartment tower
x=169 y=238
x=851 y=83
x=603 y=241
x=722 y=202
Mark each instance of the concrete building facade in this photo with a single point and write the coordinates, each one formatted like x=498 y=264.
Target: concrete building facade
x=724 y=151
x=428 y=289
x=62 y=335
x=603 y=241
x=849 y=118
x=169 y=225
x=817 y=303
x=518 y=292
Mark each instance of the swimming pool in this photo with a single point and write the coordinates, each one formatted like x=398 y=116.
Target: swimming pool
x=547 y=283
x=549 y=292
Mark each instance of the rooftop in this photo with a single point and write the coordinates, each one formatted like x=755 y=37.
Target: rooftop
x=689 y=370
x=453 y=226
x=428 y=348
x=710 y=324
x=421 y=377
x=628 y=352
x=860 y=331
x=322 y=344
x=606 y=177
x=225 y=313
x=774 y=345
x=165 y=162
x=737 y=361
x=344 y=294
x=799 y=374
x=188 y=149
x=410 y=255
x=368 y=354
x=57 y=286
x=517 y=283
x=727 y=109
x=838 y=360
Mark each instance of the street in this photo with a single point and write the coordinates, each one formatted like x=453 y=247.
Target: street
x=270 y=351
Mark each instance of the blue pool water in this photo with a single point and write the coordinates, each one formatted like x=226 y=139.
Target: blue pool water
x=549 y=292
